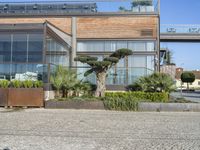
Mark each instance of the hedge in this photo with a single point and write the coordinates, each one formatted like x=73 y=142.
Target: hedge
x=128 y=101
x=142 y=96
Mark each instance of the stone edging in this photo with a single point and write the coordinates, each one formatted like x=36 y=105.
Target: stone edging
x=74 y=105
x=180 y=107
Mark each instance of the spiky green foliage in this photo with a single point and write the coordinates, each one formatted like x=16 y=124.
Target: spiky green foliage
x=70 y=79
x=38 y=84
x=27 y=84
x=4 y=83
x=16 y=83
x=57 y=78
x=157 y=82
x=63 y=79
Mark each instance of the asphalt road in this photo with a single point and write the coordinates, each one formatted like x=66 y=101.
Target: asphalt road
x=39 y=129
x=192 y=96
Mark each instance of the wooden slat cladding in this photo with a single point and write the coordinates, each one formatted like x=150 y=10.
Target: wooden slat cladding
x=117 y=27
x=63 y=24
x=109 y=27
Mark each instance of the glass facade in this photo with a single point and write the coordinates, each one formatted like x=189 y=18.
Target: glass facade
x=21 y=47
x=110 y=46
x=125 y=72
x=57 y=52
x=22 y=55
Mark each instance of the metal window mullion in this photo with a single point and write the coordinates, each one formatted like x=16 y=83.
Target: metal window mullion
x=27 y=48
x=11 y=55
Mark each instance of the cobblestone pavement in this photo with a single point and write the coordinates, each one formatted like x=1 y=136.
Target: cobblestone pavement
x=39 y=129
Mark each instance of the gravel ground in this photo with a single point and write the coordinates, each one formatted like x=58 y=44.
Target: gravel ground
x=40 y=129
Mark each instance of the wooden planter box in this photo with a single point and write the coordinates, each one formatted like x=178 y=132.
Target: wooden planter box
x=74 y=104
x=4 y=96
x=25 y=97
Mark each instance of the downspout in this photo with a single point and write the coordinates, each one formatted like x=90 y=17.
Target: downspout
x=74 y=41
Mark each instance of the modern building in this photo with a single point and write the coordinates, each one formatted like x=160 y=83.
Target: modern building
x=37 y=36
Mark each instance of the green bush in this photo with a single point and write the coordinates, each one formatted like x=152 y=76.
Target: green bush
x=157 y=82
x=27 y=83
x=124 y=104
x=37 y=84
x=128 y=101
x=142 y=96
x=16 y=83
x=4 y=83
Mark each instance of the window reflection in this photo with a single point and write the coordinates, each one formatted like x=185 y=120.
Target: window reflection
x=57 y=52
x=99 y=46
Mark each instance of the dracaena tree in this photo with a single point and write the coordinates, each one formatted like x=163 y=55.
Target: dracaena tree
x=101 y=68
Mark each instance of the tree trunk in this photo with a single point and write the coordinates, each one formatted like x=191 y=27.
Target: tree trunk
x=57 y=94
x=188 y=86
x=101 y=84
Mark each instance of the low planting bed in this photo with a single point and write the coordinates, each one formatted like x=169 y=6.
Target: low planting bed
x=129 y=101
x=75 y=103
x=125 y=101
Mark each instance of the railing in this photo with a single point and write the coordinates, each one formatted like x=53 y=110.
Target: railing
x=179 y=29
x=117 y=76
x=75 y=6
x=23 y=71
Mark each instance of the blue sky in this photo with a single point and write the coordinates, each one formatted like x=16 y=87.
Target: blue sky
x=185 y=55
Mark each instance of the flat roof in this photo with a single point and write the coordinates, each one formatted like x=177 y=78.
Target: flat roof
x=73 y=7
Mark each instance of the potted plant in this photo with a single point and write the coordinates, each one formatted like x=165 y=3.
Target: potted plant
x=21 y=93
x=4 y=84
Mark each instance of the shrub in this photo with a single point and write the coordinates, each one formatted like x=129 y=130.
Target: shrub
x=27 y=84
x=142 y=96
x=38 y=84
x=4 y=83
x=124 y=104
x=157 y=82
x=128 y=101
x=16 y=83
x=187 y=77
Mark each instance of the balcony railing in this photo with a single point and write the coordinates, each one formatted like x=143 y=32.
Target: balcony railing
x=117 y=76
x=75 y=7
x=180 y=29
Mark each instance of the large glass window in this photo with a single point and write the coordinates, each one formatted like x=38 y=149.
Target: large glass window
x=5 y=47
x=35 y=47
x=19 y=49
x=126 y=71
x=57 y=52
x=110 y=45
x=141 y=45
x=139 y=65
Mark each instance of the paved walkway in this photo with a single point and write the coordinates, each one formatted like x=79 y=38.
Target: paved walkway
x=39 y=129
